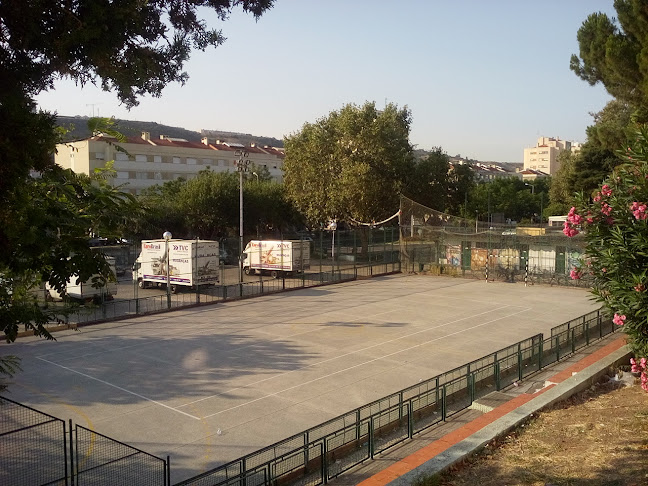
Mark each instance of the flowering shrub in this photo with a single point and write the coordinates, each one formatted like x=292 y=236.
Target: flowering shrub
x=615 y=225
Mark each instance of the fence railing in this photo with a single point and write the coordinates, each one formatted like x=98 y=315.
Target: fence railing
x=36 y=452
x=331 y=261
x=322 y=453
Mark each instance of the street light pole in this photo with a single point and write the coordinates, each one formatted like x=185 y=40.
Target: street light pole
x=167 y=236
x=242 y=165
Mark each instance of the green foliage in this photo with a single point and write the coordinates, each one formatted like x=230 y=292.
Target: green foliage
x=47 y=224
x=591 y=166
x=428 y=184
x=207 y=207
x=561 y=194
x=351 y=165
x=512 y=197
x=613 y=126
x=616 y=231
x=613 y=52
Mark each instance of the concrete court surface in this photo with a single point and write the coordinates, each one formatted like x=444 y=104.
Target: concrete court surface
x=207 y=385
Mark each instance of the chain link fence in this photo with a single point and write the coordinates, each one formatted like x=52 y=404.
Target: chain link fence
x=441 y=244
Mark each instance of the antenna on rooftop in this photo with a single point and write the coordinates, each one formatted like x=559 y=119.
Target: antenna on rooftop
x=93 y=108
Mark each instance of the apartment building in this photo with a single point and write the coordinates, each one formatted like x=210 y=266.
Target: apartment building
x=147 y=162
x=544 y=156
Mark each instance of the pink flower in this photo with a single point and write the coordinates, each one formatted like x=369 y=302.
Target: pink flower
x=597 y=198
x=605 y=190
x=619 y=320
x=606 y=209
x=640 y=287
x=569 y=230
x=573 y=217
x=642 y=362
x=639 y=211
x=634 y=368
x=575 y=274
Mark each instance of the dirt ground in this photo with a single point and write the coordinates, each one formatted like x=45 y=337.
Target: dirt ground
x=599 y=437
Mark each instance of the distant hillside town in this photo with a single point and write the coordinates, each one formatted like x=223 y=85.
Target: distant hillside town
x=158 y=153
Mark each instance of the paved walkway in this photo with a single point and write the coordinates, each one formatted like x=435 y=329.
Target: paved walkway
x=489 y=417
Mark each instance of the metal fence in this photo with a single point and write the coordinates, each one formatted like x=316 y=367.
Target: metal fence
x=334 y=257
x=324 y=452
x=33 y=446
x=36 y=452
x=100 y=460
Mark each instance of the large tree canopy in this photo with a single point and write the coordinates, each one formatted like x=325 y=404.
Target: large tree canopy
x=351 y=165
x=615 y=53
x=130 y=47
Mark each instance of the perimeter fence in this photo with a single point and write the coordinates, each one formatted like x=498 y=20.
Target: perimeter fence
x=37 y=450
x=313 y=259
x=438 y=243
x=322 y=453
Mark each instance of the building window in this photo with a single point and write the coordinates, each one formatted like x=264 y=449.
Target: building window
x=122 y=174
x=132 y=175
x=221 y=162
x=191 y=161
x=141 y=158
x=157 y=158
x=121 y=156
x=99 y=155
x=176 y=160
x=207 y=161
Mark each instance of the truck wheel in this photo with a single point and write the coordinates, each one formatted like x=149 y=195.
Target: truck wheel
x=274 y=274
x=247 y=270
x=142 y=284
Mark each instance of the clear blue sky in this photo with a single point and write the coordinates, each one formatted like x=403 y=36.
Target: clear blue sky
x=483 y=78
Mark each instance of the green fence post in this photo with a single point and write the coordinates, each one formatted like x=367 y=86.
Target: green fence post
x=443 y=403
x=573 y=341
x=519 y=361
x=410 y=419
x=470 y=380
x=497 y=375
x=557 y=348
x=541 y=351
x=587 y=326
x=324 y=461
x=371 y=438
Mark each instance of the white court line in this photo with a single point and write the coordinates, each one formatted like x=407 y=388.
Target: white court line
x=359 y=351
x=356 y=366
x=119 y=388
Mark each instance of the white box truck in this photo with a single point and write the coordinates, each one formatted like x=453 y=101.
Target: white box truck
x=278 y=258
x=85 y=291
x=191 y=263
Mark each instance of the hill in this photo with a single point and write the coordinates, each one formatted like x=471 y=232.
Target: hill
x=78 y=126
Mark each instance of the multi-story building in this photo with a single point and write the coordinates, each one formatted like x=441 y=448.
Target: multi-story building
x=544 y=156
x=141 y=162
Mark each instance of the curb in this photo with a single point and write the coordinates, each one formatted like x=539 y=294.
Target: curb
x=515 y=414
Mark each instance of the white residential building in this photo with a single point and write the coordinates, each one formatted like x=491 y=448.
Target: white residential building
x=544 y=156
x=148 y=162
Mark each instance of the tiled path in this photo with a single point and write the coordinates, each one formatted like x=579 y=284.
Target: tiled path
x=394 y=463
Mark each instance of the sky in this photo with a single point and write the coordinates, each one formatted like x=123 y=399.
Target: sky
x=482 y=78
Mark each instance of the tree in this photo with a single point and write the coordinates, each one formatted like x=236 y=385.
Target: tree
x=130 y=47
x=561 y=194
x=613 y=126
x=615 y=224
x=591 y=166
x=52 y=219
x=461 y=181
x=351 y=165
x=510 y=196
x=428 y=183
x=613 y=53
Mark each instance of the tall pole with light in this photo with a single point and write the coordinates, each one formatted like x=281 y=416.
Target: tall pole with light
x=242 y=165
x=167 y=236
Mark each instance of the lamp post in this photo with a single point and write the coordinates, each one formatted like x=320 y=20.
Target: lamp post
x=167 y=236
x=333 y=227
x=242 y=165
x=256 y=175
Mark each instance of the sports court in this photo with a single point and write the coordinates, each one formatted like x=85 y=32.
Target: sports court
x=207 y=385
